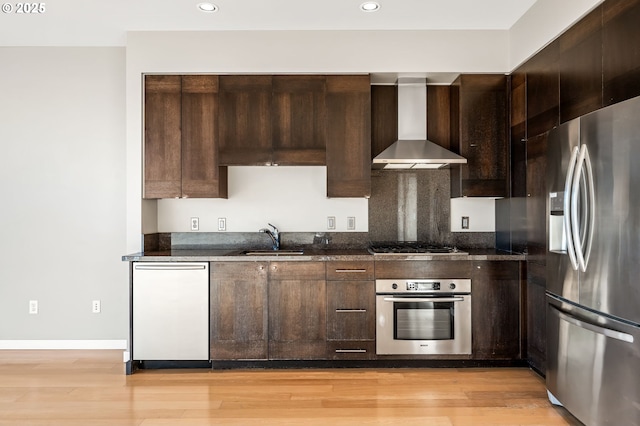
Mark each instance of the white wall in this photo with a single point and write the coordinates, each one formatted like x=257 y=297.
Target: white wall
x=292 y=198
x=282 y=52
x=62 y=178
x=541 y=24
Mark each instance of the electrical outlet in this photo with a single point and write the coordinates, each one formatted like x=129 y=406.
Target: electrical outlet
x=195 y=223
x=222 y=224
x=331 y=222
x=465 y=222
x=95 y=306
x=351 y=223
x=33 y=306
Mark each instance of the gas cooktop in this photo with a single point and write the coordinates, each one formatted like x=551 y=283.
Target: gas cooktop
x=411 y=248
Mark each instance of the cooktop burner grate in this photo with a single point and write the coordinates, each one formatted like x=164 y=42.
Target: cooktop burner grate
x=411 y=248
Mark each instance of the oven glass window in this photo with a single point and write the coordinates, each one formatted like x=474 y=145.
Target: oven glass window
x=423 y=320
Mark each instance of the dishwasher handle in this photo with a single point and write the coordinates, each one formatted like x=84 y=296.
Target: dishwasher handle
x=172 y=267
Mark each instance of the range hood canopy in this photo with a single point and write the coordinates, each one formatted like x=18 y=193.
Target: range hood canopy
x=412 y=150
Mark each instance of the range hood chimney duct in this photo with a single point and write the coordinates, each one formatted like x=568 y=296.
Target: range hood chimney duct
x=412 y=150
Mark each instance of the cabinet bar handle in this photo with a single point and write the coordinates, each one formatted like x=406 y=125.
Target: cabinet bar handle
x=342 y=311
x=350 y=271
x=176 y=267
x=351 y=351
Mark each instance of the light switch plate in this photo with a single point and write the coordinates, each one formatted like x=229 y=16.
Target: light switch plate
x=465 y=222
x=222 y=224
x=351 y=223
x=331 y=222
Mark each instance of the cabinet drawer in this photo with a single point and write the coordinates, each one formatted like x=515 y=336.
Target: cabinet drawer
x=350 y=310
x=296 y=270
x=391 y=269
x=353 y=349
x=350 y=270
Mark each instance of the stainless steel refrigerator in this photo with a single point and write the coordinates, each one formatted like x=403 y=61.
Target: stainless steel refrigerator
x=593 y=265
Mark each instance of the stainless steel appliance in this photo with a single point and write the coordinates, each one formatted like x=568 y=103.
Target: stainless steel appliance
x=423 y=317
x=593 y=266
x=412 y=248
x=170 y=311
x=412 y=150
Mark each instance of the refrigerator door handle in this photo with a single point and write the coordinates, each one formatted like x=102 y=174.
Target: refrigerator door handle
x=607 y=332
x=571 y=249
x=582 y=254
x=591 y=206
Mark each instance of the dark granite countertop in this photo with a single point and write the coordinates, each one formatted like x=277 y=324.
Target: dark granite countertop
x=217 y=255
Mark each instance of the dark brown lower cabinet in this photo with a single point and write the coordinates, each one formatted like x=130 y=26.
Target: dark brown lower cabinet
x=536 y=343
x=351 y=319
x=239 y=320
x=495 y=307
x=297 y=310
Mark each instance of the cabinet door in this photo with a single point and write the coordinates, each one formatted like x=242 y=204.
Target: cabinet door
x=543 y=91
x=580 y=67
x=299 y=120
x=384 y=118
x=201 y=175
x=297 y=310
x=245 y=120
x=621 y=56
x=479 y=133
x=536 y=314
x=351 y=310
x=495 y=310
x=239 y=310
x=349 y=136
x=162 y=136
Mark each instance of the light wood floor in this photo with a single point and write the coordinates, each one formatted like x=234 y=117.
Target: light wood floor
x=89 y=388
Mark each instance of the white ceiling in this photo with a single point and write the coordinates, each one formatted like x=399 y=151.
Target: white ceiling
x=105 y=23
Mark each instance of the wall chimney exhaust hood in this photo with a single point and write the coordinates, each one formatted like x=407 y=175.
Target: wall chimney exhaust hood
x=412 y=150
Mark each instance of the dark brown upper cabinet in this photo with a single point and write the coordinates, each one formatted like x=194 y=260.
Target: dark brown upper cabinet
x=384 y=117
x=580 y=67
x=439 y=115
x=180 y=155
x=202 y=177
x=299 y=116
x=272 y=120
x=349 y=136
x=543 y=91
x=245 y=120
x=479 y=112
x=162 y=136
x=518 y=106
x=621 y=51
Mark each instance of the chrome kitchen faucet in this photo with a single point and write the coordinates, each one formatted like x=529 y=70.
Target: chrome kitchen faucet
x=274 y=235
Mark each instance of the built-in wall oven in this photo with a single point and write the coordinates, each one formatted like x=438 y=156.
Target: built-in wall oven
x=423 y=316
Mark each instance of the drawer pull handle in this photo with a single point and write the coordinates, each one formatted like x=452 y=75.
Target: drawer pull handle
x=350 y=271
x=343 y=311
x=351 y=351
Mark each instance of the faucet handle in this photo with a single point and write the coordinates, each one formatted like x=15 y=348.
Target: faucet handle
x=274 y=228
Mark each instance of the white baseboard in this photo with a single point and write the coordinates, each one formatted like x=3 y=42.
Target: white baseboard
x=62 y=344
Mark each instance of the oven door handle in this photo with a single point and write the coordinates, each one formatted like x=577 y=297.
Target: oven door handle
x=424 y=299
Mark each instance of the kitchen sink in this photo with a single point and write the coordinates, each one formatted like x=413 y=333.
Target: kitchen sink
x=273 y=252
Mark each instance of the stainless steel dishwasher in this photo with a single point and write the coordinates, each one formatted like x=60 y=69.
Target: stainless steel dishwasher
x=170 y=304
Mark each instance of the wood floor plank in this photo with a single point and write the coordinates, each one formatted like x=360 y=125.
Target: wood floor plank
x=72 y=388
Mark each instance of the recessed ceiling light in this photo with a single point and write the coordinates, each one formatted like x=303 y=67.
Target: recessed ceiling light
x=370 y=6
x=207 y=7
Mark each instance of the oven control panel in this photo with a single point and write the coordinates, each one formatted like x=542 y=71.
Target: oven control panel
x=423 y=285
x=441 y=285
